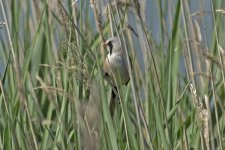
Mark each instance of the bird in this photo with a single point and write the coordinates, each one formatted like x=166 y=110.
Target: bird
x=115 y=68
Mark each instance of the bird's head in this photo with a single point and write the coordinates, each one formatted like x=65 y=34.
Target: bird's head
x=112 y=45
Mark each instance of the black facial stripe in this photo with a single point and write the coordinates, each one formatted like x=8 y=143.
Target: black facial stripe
x=110 y=47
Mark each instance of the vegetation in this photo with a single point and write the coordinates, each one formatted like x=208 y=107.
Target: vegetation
x=53 y=94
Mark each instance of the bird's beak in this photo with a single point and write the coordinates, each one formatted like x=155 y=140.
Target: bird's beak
x=104 y=45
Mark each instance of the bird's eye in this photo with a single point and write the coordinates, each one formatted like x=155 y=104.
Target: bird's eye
x=110 y=46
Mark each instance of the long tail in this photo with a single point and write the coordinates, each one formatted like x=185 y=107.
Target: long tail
x=112 y=102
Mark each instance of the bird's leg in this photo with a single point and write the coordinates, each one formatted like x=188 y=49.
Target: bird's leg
x=114 y=95
x=113 y=100
x=114 y=92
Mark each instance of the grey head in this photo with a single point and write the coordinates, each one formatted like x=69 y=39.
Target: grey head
x=113 y=45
